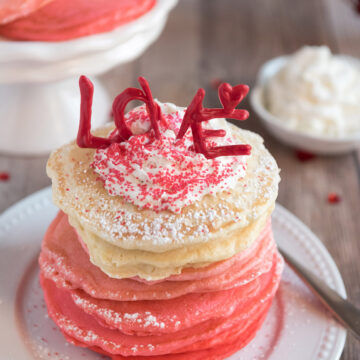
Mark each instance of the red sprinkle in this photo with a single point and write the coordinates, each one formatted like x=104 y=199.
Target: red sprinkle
x=303 y=155
x=4 y=176
x=333 y=198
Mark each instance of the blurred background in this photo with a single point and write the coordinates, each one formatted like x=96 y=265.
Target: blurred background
x=208 y=41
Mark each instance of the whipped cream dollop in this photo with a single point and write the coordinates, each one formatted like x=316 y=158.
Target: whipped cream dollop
x=316 y=93
x=166 y=173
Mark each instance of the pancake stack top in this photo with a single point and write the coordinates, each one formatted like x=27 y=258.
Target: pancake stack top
x=151 y=196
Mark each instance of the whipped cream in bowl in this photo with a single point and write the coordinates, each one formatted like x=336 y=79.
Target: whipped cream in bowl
x=311 y=100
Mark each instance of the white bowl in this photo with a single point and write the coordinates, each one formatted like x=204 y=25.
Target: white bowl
x=316 y=144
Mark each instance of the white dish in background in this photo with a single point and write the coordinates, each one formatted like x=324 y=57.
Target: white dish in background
x=316 y=144
x=40 y=98
x=297 y=327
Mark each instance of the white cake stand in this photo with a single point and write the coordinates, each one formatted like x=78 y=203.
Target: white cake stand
x=39 y=95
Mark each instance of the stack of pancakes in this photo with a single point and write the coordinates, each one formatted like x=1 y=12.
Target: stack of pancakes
x=133 y=283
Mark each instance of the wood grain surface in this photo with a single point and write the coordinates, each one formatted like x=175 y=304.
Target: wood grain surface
x=230 y=39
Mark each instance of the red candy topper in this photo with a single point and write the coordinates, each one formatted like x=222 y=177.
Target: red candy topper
x=195 y=114
x=86 y=140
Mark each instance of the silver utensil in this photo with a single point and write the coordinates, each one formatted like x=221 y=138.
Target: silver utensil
x=341 y=308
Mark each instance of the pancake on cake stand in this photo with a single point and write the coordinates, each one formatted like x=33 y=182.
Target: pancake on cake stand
x=33 y=119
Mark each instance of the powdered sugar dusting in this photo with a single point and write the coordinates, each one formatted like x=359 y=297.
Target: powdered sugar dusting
x=166 y=173
x=145 y=321
x=197 y=223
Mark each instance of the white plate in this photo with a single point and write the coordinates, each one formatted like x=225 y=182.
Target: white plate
x=315 y=143
x=297 y=327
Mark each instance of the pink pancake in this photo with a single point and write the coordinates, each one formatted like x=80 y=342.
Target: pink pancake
x=86 y=329
x=62 y=20
x=64 y=261
x=130 y=318
x=219 y=352
x=168 y=316
x=14 y=9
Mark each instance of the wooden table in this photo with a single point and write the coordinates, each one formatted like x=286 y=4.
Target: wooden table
x=229 y=40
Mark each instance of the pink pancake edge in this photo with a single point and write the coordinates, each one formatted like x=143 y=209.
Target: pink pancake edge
x=219 y=352
x=212 y=312
x=64 y=261
x=167 y=316
x=60 y=20
x=86 y=329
